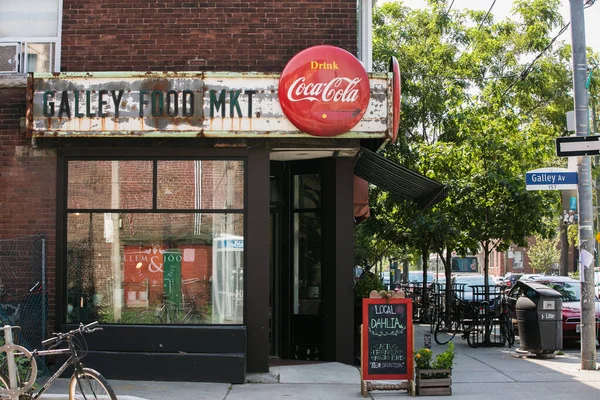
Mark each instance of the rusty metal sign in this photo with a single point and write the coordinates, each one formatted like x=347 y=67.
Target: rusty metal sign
x=186 y=104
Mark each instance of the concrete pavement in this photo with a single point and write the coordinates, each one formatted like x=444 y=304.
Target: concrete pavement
x=483 y=373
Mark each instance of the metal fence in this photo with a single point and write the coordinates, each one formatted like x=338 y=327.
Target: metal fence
x=23 y=295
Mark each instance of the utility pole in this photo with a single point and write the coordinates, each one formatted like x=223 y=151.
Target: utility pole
x=584 y=190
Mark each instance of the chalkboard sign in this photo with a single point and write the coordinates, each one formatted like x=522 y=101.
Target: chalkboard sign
x=387 y=339
x=427 y=341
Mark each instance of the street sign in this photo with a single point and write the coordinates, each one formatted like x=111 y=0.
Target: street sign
x=578 y=146
x=551 y=179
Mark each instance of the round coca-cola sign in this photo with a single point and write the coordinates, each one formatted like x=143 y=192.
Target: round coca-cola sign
x=324 y=91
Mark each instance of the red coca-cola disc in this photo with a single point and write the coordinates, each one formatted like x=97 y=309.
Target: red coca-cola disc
x=324 y=91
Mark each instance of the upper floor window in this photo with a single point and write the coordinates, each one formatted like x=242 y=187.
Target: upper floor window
x=30 y=33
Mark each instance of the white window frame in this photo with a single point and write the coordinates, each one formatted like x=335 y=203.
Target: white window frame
x=55 y=42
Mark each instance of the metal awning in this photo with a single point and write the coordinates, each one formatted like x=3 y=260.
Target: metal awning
x=398 y=180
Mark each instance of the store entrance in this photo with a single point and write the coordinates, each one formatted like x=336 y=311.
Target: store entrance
x=296 y=309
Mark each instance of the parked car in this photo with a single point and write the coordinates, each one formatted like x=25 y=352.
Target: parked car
x=498 y=280
x=531 y=277
x=511 y=279
x=570 y=290
x=417 y=276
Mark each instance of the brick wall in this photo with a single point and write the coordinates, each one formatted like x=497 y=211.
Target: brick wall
x=27 y=183
x=179 y=35
x=161 y=35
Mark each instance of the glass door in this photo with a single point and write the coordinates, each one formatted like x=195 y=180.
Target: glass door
x=307 y=318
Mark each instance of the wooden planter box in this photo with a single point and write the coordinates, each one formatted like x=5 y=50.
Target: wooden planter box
x=433 y=382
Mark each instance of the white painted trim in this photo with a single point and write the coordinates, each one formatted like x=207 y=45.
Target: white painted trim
x=58 y=43
x=365 y=33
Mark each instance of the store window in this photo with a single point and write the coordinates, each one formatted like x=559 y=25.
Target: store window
x=30 y=33
x=155 y=241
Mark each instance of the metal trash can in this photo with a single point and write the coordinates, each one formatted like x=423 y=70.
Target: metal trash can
x=539 y=318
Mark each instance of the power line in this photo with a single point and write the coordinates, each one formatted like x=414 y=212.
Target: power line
x=462 y=78
x=486 y=15
x=480 y=23
x=450 y=8
x=527 y=69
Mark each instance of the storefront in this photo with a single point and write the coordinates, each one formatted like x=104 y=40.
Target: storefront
x=206 y=219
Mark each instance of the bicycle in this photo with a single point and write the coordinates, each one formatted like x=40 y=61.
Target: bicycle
x=85 y=383
x=170 y=313
x=507 y=329
x=466 y=317
x=434 y=306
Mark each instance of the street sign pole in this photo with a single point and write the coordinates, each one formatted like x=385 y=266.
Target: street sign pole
x=586 y=228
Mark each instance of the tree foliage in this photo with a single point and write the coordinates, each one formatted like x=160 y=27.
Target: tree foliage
x=543 y=255
x=482 y=103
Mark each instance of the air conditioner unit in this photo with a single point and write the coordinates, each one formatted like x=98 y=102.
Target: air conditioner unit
x=9 y=57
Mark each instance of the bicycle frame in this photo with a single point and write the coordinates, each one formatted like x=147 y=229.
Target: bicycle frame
x=73 y=360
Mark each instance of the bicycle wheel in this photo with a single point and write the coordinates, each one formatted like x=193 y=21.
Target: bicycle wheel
x=3 y=382
x=445 y=329
x=148 y=317
x=475 y=333
x=507 y=330
x=88 y=384
x=26 y=372
x=433 y=319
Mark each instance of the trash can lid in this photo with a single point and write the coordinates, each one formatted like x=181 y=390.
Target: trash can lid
x=541 y=289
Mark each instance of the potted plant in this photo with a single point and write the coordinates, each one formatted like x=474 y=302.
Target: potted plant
x=434 y=375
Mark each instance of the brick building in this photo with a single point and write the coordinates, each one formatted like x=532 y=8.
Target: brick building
x=208 y=241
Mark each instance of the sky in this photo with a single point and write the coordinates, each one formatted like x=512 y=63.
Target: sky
x=501 y=10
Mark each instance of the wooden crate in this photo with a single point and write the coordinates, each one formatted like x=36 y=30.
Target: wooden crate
x=433 y=382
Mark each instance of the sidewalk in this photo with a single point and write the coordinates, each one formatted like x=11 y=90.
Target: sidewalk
x=483 y=373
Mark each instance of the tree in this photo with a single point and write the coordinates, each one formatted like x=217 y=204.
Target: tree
x=483 y=102
x=543 y=255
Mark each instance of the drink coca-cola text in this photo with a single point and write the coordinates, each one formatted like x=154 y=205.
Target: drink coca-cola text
x=324 y=91
x=332 y=91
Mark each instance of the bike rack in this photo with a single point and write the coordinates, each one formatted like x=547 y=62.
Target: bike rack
x=10 y=348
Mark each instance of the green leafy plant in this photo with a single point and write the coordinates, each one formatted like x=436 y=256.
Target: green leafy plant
x=574 y=275
x=424 y=358
x=444 y=360
x=365 y=284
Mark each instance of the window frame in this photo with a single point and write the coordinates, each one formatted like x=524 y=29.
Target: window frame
x=22 y=41
x=64 y=211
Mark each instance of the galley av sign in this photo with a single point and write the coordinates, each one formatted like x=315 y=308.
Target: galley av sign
x=551 y=179
x=324 y=91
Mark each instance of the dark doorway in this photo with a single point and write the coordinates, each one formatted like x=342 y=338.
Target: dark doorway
x=296 y=259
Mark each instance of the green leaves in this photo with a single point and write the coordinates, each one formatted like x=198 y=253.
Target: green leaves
x=482 y=103
x=543 y=255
